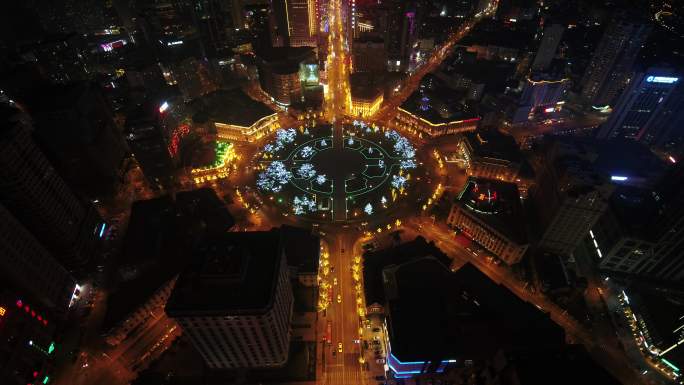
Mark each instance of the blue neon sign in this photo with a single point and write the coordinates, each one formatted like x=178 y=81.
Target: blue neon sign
x=661 y=79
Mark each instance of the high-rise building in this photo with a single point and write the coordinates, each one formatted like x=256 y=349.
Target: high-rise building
x=30 y=268
x=27 y=347
x=235 y=303
x=569 y=194
x=547 y=48
x=148 y=140
x=543 y=94
x=293 y=23
x=400 y=33
x=637 y=111
x=668 y=253
x=33 y=192
x=369 y=54
x=610 y=67
x=75 y=127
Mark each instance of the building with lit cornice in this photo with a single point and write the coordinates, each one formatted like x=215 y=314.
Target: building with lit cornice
x=235 y=302
x=366 y=101
x=247 y=120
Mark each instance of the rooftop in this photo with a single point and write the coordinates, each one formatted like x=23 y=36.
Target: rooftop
x=493 y=144
x=374 y=262
x=231 y=274
x=302 y=249
x=497 y=204
x=436 y=314
x=161 y=234
x=567 y=366
x=662 y=313
x=440 y=105
x=229 y=107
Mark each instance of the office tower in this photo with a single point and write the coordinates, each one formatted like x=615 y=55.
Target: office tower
x=611 y=66
x=570 y=196
x=75 y=127
x=30 y=268
x=547 y=48
x=214 y=24
x=293 y=23
x=637 y=111
x=148 y=139
x=235 y=302
x=33 y=192
x=668 y=253
x=400 y=34
x=369 y=54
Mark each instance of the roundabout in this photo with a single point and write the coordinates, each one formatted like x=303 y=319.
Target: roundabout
x=339 y=173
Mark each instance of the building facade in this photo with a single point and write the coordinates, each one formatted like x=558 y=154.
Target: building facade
x=31 y=268
x=293 y=23
x=412 y=122
x=239 y=133
x=571 y=196
x=610 y=67
x=488 y=212
x=543 y=95
x=148 y=140
x=637 y=111
x=490 y=155
x=366 y=102
x=547 y=49
x=40 y=200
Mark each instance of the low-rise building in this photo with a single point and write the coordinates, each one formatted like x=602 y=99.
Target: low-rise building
x=489 y=212
x=279 y=73
x=490 y=154
x=245 y=121
x=429 y=114
x=366 y=101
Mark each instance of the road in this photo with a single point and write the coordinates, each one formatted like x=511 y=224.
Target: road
x=410 y=84
x=342 y=368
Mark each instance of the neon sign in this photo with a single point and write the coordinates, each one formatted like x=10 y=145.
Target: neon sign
x=661 y=79
x=618 y=178
x=163 y=107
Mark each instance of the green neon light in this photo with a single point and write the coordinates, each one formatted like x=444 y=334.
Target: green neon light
x=46 y=379
x=51 y=348
x=668 y=363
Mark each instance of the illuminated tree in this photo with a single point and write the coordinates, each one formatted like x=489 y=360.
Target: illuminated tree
x=398 y=181
x=306 y=171
x=368 y=209
x=320 y=179
x=306 y=152
x=303 y=205
x=274 y=177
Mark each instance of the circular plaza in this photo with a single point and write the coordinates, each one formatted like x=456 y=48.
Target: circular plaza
x=336 y=173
